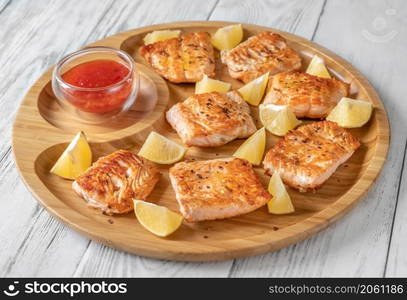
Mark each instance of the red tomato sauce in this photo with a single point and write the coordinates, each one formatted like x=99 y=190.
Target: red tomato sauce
x=99 y=74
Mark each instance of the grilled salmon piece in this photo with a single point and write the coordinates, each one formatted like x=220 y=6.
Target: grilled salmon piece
x=217 y=189
x=265 y=52
x=306 y=157
x=113 y=181
x=211 y=119
x=184 y=59
x=308 y=96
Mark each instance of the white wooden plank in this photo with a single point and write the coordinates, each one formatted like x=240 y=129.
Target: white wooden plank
x=397 y=260
x=27 y=252
x=100 y=260
x=123 y=264
x=299 y=17
x=397 y=47
x=357 y=244
x=134 y=14
x=40 y=244
x=4 y=4
x=33 y=243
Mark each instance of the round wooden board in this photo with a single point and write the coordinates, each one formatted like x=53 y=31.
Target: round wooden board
x=41 y=132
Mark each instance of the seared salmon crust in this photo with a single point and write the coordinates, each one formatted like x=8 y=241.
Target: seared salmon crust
x=114 y=181
x=259 y=54
x=211 y=119
x=217 y=189
x=307 y=95
x=184 y=59
x=306 y=157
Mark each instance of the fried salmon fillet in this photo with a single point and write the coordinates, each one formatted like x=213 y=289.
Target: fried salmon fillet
x=309 y=96
x=184 y=59
x=309 y=155
x=113 y=181
x=265 y=52
x=217 y=189
x=211 y=119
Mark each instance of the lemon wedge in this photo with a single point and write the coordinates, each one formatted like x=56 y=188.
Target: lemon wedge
x=75 y=160
x=227 y=37
x=253 y=91
x=206 y=85
x=161 y=150
x=278 y=119
x=160 y=35
x=157 y=219
x=351 y=113
x=253 y=148
x=317 y=67
x=281 y=201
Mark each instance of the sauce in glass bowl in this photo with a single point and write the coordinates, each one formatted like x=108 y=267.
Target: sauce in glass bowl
x=96 y=84
x=99 y=73
x=96 y=73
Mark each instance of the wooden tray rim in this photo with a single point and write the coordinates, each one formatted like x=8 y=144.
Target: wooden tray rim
x=257 y=244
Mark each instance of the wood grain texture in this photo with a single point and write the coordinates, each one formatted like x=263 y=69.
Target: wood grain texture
x=95 y=262
x=241 y=236
x=298 y=17
x=228 y=11
x=396 y=265
x=100 y=261
x=393 y=89
x=28 y=252
x=357 y=245
x=21 y=20
x=24 y=18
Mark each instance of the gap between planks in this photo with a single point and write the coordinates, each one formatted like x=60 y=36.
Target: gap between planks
x=4 y=6
x=319 y=18
x=233 y=266
x=395 y=209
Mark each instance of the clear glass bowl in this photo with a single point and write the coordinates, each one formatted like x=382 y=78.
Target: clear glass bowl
x=97 y=104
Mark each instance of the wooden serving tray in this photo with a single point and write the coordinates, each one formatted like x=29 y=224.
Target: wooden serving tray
x=41 y=132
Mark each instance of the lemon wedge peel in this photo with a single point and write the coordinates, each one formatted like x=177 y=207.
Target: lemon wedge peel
x=253 y=148
x=161 y=150
x=351 y=113
x=207 y=85
x=157 y=219
x=227 y=37
x=253 y=91
x=317 y=67
x=160 y=35
x=75 y=160
x=281 y=202
x=278 y=119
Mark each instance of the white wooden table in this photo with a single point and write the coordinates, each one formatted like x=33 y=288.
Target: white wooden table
x=371 y=34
